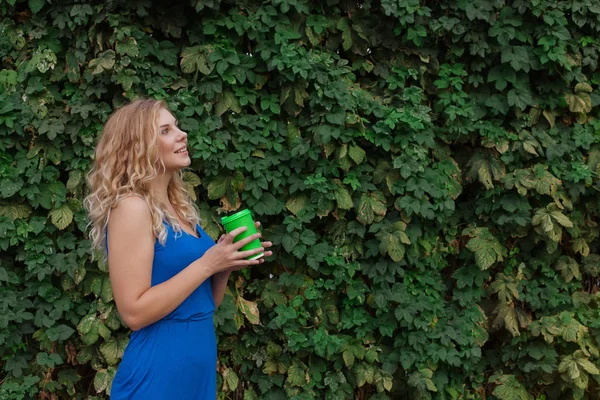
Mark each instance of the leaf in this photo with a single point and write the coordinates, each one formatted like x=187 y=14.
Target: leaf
x=348 y=357
x=8 y=77
x=506 y=287
x=544 y=222
x=547 y=326
x=344 y=26
x=517 y=56
x=113 y=349
x=106 y=292
x=421 y=380
x=561 y=219
x=583 y=87
x=190 y=181
x=103 y=330
x=208 y=222
x=580 y=245
x=191 y=178
x=217 y=187
x=49 y=360
x=10 y=187
x=520 y=98
x=15 y=211
x=506 y=317
x=357 y=154
x=502 y=75
x=486 y=167
x=36 y=5
x=227 y=188
x=509 y=388
x=227 y=101
x=537 y=177
x=250 y=394
x=273 y=349
x=336 y=116
x=569 y=268
x=290 y=240
x=104 y=62
x=61 y=217
x=342 y=197
x=74 y=180
x=231 y=379
x=103 y=380
x=550 y=117
x=486 y=247
x=543 y=219
x=197 y=58
x=52 y=127
x=572 y=330
x=579 y=103
x=296 y=203
x=296 y=375
x=249 y=309
x=60 y=332
x=127 y=46
x=569 y=367
x=392 y=239
x=588 y=366
x=388 y=382
x=575 y=368
x=88 y=328
x=591 y=264
x=369 y=206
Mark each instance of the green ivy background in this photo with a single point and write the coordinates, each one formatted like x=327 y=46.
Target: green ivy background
x=428 y=171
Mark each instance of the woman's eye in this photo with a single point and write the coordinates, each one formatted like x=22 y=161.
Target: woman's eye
x=164 y=131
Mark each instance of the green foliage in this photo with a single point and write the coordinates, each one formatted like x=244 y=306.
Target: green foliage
x=428 y=172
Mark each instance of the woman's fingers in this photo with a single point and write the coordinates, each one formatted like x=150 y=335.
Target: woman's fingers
x=245 y=263
x=248 y=253
x=245 y=241
x=240 y=261
x=231 y=235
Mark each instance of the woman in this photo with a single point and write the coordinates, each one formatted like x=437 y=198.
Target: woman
x=167 y=275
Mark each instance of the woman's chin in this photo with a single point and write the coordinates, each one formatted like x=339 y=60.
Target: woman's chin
x=183 y=163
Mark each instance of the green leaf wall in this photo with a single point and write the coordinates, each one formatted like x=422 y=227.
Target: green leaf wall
x=427 y=170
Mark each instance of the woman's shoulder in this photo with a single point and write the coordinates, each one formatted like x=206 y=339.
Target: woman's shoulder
x=133 y=207
x=132 y=200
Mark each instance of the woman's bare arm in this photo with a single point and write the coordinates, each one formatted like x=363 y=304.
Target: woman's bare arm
x=131 y=252
x=219 y=280
x=219 y=285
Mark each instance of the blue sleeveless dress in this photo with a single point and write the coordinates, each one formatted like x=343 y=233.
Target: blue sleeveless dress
x=175 y=357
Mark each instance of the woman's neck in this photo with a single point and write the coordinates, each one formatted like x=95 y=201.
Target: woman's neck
x=159 y=187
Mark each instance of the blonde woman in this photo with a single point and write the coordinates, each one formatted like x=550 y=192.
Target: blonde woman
x=167 y=275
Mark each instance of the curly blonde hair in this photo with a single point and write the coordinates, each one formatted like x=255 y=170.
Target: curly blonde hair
x=127 y=158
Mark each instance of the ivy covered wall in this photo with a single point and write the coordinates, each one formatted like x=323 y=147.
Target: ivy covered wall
x=428 y=171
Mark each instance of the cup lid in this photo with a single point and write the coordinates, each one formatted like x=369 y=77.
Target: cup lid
x=237 y=215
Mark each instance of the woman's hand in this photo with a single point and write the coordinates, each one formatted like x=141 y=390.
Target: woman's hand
x=225 y=255
x=263 y=244
x=219 y=279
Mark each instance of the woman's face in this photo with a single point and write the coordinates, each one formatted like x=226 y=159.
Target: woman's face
x=172 y=143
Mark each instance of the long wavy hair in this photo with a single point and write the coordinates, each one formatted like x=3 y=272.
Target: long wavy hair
x=127 y=159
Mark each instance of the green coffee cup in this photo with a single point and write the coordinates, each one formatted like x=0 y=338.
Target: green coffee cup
x=237 y=220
